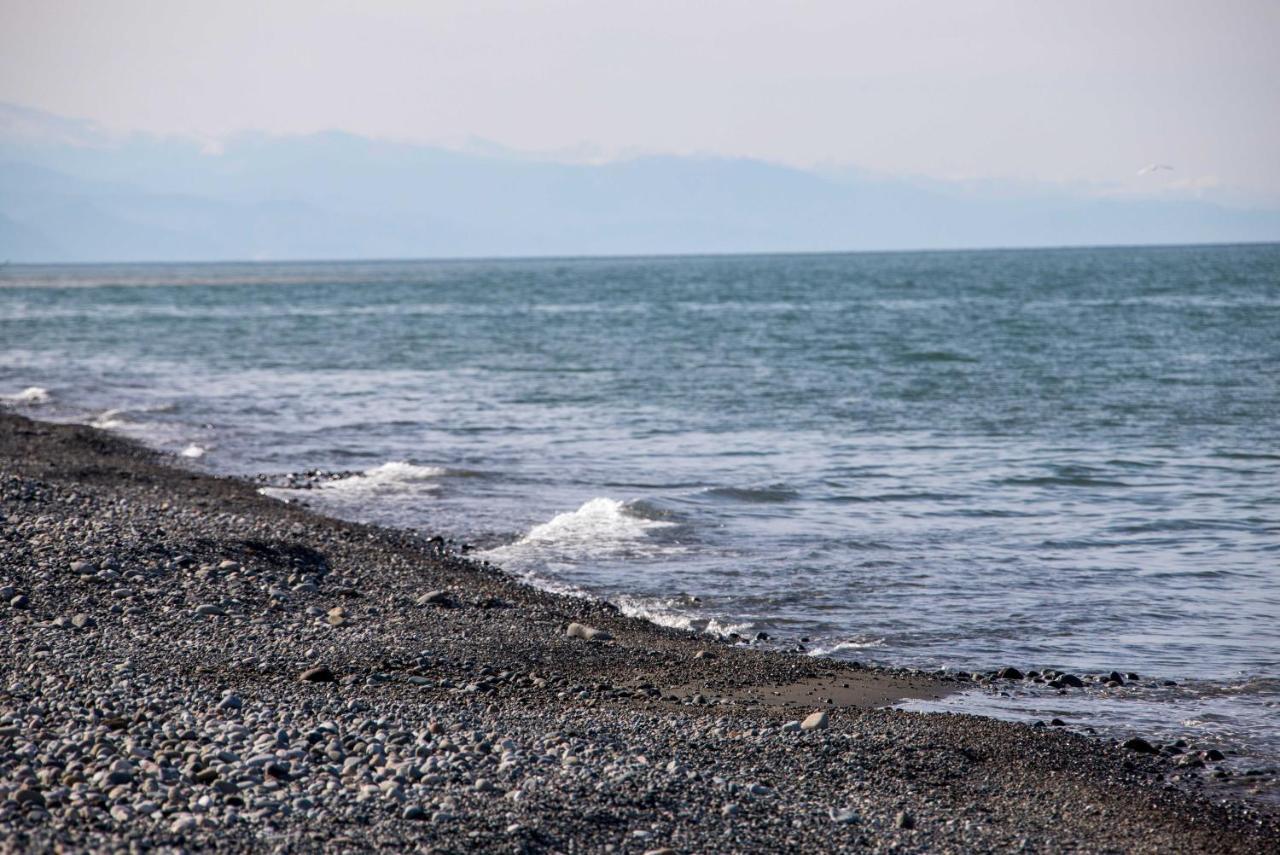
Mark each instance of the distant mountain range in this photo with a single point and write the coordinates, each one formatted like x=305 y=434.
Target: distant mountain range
x=70 y=192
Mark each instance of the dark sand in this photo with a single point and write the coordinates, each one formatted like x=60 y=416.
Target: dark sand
x=150 y=652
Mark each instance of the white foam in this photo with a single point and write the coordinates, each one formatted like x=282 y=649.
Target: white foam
x=653 y=612
x=31 y=396
x=192 y=451
x=601 y=525
x=109 y=419
x=715 y=627
x=394 y=476
x=853 y=644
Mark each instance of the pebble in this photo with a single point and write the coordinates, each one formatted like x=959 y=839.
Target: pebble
x=1139 y=745
x=318 y=674
x=436 y=598
x=815 y=721
x=28 y=796
x=587 y=633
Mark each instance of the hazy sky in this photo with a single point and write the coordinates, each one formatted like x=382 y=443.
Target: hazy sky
x=1047 y=91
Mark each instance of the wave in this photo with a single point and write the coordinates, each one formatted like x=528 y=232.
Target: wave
x=756 y=495
x=1060 y=481
x=393 y=476
x=862 y=644
x=670 y=613
x=601 y=525
x=31 y=396
x=192 y=452
x=916 y=356
x=109 y=420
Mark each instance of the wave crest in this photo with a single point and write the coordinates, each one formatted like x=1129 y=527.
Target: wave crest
x=395 y=475
x=31 y=396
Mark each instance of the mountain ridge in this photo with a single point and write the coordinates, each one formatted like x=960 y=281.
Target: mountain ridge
x=71 y=192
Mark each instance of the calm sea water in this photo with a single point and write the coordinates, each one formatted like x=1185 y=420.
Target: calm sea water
x=1065 y=458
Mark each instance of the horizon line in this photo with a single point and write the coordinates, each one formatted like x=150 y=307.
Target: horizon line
x=446 y=259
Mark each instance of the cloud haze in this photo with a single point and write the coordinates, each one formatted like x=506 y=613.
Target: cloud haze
x=1082 y=93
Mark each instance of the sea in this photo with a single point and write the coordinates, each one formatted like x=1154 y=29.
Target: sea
x=1058 y=458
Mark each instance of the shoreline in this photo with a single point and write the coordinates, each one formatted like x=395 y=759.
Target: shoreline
x=185 y=606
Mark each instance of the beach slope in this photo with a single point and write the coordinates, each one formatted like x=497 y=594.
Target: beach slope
x=184 y=661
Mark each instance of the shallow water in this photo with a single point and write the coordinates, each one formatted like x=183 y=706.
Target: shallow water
x=1057 y=458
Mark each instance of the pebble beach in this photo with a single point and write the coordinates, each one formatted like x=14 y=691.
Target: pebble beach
x=186 y=663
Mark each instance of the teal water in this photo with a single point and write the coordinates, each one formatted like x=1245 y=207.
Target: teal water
x=1065 y=458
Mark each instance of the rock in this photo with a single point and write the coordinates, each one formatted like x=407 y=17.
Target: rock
x=1215 y=755
x=704 y=654
x=278 y=771
x=29 y=796
x=436 y=598
x=1069 y=680
x=762 y=636
x=414 y=812
x=209 y=610
x=20 y=601
x=847 y=816
x=1139 y=745
x=230 y=702
x=83 y=621
x=904 y=820
x=1057 y=722
x=318 y=674
x=183 y=823
x=815 y=721
x=1009 y=673
x=588 y=633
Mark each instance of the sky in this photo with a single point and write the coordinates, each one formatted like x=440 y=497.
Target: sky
x=1075 y=93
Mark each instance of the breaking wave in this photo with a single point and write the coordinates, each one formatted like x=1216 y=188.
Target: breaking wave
x=602 y=526
x=394 y=476
x=31 y=396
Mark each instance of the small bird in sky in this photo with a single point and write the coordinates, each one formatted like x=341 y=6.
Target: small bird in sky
x=1154 y=167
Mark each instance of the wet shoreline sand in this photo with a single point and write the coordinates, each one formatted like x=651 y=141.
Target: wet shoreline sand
x=160 y=620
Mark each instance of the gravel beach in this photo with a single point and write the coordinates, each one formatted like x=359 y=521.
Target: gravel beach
x=185 y=663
